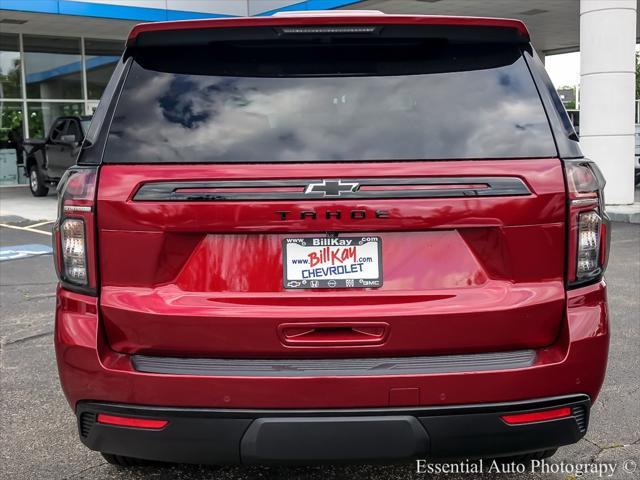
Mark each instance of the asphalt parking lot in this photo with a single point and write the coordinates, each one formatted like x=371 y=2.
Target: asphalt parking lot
x=38 y=437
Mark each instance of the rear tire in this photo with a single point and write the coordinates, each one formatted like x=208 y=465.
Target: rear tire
x=122 y=461
x=36 y=182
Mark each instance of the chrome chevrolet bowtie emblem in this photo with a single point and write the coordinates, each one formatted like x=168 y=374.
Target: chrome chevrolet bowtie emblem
x=331 y=188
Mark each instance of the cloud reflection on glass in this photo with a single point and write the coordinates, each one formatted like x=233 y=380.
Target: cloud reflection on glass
x=492 y=112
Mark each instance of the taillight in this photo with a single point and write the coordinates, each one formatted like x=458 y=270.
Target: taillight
x=588 y=235
x=73 y=239
x=589 y=227
x=74 y=246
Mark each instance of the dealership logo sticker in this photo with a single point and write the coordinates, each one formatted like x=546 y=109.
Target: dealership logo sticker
x=331 y=262
x=16 y=252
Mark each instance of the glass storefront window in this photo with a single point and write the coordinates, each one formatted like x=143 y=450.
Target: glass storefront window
x=43 y=114
x=52 y=70
x=11 y=139
x=53 y=67
x=10 y=81
x=101 y=57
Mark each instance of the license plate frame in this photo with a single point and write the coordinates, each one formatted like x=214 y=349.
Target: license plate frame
x=357 y=262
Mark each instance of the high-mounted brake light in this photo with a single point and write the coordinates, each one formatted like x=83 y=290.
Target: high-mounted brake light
x=133 y=422
x=323 y=30
x=532 y=417
x=587 y=223
x=73 y=237
x=326 y=13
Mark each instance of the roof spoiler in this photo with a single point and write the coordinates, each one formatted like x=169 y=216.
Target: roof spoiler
x=190 y=32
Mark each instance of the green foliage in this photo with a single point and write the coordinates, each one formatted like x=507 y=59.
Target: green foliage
x=37 y=127
x=10 y=80
x=36 y=124
x=10 y=119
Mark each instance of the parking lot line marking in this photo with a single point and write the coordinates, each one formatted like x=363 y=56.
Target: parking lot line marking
x=25 y=229
x=40 y=224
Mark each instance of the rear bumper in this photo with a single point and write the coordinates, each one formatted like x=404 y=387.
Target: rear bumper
x=317 y=436
x=91 y=371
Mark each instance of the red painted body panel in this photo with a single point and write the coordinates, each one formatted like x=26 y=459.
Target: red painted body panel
x=119 y=182
x=172 y=322
x=205 y=278
x=329 y=19
x=574 y=363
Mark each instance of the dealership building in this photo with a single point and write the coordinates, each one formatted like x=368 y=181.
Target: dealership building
x=56 y=57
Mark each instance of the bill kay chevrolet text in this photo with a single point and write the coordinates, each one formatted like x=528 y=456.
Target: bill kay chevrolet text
x=331 y=237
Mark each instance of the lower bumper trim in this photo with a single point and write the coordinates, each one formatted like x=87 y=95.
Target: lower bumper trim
x=217 y=436
x=222 y=367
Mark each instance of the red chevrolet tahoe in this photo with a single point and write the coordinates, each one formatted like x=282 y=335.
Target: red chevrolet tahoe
x=331 y=237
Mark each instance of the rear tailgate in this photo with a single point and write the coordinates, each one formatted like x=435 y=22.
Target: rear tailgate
x=205 y=278
x=431 y=141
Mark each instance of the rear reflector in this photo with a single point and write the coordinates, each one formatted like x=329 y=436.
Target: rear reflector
x=131 y=422
x=532 y=417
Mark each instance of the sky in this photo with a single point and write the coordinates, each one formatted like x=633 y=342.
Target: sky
x=565 y=69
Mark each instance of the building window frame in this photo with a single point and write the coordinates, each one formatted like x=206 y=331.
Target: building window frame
x=23 y=82
x=87 y=103
x=83 y=62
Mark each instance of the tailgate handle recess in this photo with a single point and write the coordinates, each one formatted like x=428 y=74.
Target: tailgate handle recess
x=332 y=333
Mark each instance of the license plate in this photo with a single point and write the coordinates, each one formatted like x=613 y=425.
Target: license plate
x=332 y=262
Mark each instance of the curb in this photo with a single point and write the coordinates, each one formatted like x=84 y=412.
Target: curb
x=624 y=213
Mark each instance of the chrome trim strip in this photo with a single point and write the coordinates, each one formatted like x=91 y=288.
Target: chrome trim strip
x=77 y=208
x=585 y=201
x=163 y=191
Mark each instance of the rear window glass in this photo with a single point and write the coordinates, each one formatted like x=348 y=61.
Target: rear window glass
x=270 y=103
